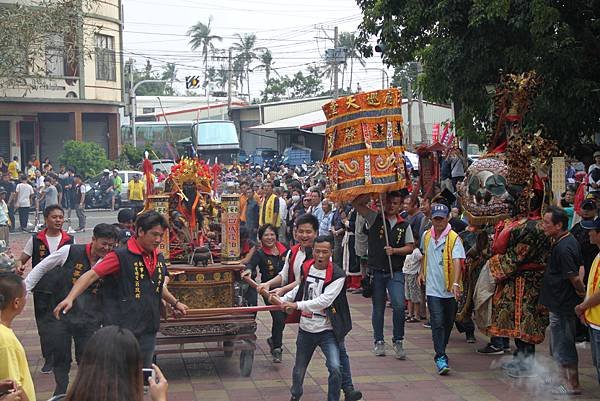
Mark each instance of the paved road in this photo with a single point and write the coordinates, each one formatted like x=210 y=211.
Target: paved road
x=211 y=376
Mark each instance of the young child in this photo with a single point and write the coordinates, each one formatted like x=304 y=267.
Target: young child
x=325 y=319
x=14 y=361
x=412 y=264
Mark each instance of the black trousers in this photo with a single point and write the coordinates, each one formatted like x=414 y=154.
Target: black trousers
x=23 y=217
x=63 y=336
x=43 y=305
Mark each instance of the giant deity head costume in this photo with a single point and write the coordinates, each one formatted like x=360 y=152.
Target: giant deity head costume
x=511 y=179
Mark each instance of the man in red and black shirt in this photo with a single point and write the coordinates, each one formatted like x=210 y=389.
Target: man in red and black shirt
x=69 y=263
x=133 y=284
x=40 y=245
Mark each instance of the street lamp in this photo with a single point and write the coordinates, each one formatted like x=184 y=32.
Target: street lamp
x=134 y=107
x=384 y=76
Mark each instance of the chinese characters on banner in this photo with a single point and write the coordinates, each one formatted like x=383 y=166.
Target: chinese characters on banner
x=160 y=203
x=230 y=227
x=435 y=134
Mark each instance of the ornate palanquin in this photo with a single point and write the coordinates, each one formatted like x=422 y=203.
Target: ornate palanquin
x=364 y=144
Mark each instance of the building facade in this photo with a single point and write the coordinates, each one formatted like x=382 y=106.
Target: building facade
x=80 y=99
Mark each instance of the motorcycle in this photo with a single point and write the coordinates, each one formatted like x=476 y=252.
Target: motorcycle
x=96 y=198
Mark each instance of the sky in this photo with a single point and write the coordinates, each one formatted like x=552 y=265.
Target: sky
x=297 y=33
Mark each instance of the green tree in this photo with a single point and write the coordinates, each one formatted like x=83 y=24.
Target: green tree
x=222 y=77
x=202 y=38
x=348 y=41
x=27 y=34
x=247 y=53
x=266 y=59
x=169 y=73
x=88 y=158
x=463 y=44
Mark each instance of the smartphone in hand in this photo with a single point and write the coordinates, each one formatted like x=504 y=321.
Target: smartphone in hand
x=148 y=376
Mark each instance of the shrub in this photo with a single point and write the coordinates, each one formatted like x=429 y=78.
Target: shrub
x=88 y=158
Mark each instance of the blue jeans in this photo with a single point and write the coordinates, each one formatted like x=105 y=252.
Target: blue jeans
x=442 y=312
x=395 y=288
x=595 y=342
x=306 y=343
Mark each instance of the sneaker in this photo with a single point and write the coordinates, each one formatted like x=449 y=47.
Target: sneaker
x=379 y=348
x=427 y=324
x=490 y=349
x=399 y=350
x=276 y=353
x=350 y=394
x=47 y=368
x=442 y=366
x=295 y=398
x=471 y=338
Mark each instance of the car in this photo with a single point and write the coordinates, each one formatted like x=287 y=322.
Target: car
x=163 y=164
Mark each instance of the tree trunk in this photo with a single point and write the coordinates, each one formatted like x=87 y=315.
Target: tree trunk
x=409 y=116
x=248 y=82
x=421 y=112
x=351 y=71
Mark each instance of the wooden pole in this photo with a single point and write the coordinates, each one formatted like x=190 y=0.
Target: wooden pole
x=387 y=239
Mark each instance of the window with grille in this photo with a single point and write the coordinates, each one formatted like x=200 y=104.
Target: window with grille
x=105 y=58
x=55 y=55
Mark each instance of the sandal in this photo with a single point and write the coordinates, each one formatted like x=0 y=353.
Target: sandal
x=564 y=390
x=413 y=320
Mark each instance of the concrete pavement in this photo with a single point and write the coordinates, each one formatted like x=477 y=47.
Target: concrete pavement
x=211 y=376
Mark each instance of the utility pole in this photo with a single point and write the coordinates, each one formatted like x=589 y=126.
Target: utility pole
x=229 y=85
x=409 y=113
x=336 y=92
x=132 y=100
x=421 y=112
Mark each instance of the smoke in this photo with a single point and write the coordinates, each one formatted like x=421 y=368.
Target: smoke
x=543 y=371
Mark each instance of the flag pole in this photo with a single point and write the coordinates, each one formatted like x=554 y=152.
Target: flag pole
x=387 y=239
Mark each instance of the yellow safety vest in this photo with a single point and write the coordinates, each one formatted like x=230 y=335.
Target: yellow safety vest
x=446 y=256
x=592 y=315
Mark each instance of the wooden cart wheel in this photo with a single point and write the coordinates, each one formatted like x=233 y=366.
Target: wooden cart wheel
x=227 y=353
x=246 y=362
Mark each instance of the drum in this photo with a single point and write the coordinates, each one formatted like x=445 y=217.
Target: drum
x=364 y=144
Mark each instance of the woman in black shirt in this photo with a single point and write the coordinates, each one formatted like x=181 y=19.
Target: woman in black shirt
x=269 y=258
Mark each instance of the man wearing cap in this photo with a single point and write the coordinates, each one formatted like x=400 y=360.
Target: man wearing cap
x=386 y=263
x=135 y=193
x=594 y=176
x=443 y=252
x=589 y=310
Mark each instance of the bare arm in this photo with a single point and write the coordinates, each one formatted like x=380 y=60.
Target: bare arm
x=457 y=273
x=360 y=204
x=577 y=283
x=82 y=284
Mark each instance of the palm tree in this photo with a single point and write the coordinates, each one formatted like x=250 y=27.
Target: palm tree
x=201 y=38
x=348 y=40
x=266 y=58
x=247 y=53
x=222 y=77
x=169 y=73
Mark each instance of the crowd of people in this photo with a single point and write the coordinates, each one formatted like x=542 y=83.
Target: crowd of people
x=404 y=251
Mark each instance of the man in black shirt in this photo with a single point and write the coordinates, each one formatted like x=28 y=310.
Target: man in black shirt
x=10 y=189
x=562 y=287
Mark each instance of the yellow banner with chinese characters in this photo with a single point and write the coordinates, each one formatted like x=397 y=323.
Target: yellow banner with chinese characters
x=160 y=203
x=230 y=227
x=364 y=148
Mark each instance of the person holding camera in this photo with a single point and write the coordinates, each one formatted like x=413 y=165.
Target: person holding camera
x=111 y=370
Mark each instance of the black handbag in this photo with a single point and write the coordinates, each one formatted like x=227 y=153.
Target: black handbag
x=367 y=286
